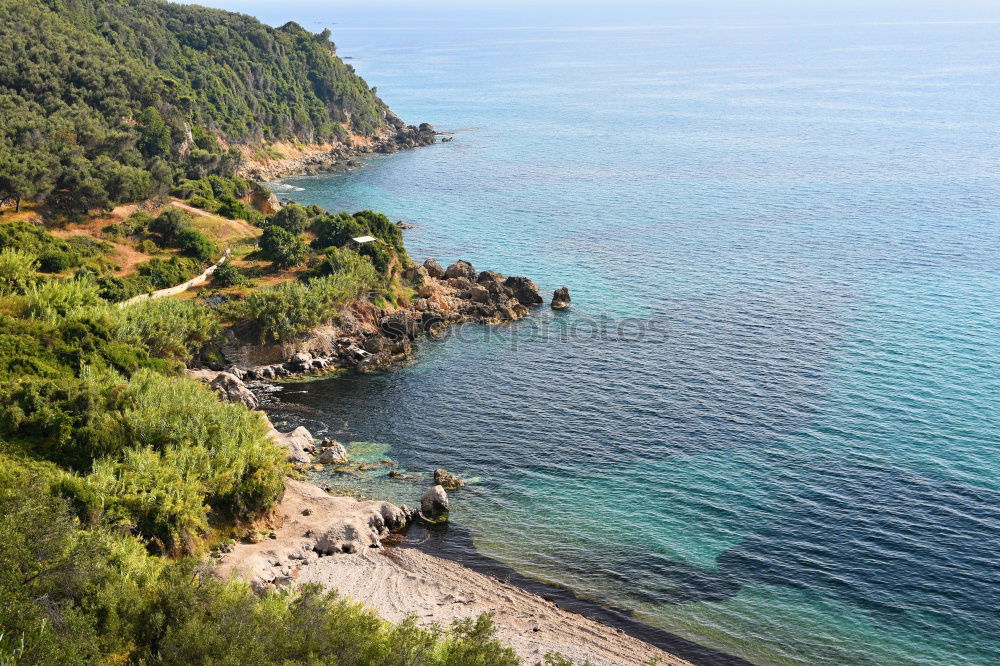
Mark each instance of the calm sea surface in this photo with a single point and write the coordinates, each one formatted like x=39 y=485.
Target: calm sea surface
x=771 y=421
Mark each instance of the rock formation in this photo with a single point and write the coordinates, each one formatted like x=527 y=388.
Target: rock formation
x=233 y=389
x=560 y=299
x=434 y=504
x=447 y=480
x=331 y=452
x=461 y=269
x=433 y=268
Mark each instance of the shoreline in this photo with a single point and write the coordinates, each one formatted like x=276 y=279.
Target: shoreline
x=453 y=542
x=349 y=546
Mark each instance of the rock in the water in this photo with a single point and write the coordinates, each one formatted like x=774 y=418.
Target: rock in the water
x=524 y=290
x=332 y=452
x=434 y=268
x=560 y=299
x=434 y=503
x=461 y=269
x=447 y=480
x=234 y=390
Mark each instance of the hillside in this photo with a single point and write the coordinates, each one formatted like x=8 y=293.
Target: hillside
x=105 y=102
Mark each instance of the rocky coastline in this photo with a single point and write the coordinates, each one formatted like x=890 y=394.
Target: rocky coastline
x=366 y=338
x=340 y=155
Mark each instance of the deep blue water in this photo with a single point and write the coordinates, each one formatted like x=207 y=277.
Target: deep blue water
x=770 y=422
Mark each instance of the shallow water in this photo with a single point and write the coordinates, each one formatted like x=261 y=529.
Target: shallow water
x=769 y=424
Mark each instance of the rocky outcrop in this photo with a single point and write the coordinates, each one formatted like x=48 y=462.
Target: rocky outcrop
x=524 y=290
x=309 y=524
x=232 y=388
x=560 y=299
x=365 y=338
x=365 y=527
x=338 y=156
x=461 y=269
x=434 y=504
x=433 y=268
x=331 y=452
x=447 y=480
x=299 y=443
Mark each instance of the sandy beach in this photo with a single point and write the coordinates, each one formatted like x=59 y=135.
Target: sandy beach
x=396 y=582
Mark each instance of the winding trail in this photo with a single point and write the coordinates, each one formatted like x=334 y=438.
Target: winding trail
x=177 y=289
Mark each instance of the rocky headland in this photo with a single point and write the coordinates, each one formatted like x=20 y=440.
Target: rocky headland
x=366 y=338
x=336 y=156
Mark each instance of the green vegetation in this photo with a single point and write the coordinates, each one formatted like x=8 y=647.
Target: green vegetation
x=229 y=275
x=106 y=101
x=291 y=308
x=70 y=595
x=117 y=473
x=283 y=248
x=54 y=255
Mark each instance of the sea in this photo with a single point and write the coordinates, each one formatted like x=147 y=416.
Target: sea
x=770 y=422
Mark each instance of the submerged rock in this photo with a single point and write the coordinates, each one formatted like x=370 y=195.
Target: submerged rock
x=560 y=299
x=434 y=503
x=447 y=480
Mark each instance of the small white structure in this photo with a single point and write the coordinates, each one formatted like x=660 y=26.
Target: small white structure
x=361 y=240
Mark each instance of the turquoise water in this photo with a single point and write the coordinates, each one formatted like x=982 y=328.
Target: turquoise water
x=770 y=422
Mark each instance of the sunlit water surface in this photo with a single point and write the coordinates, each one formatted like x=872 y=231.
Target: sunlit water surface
x=770 y=422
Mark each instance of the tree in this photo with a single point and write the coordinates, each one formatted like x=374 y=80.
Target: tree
x=194 y=243
x=154 y=139
x=336 y=230
x=169 y=225
x=283 y=248
x=293 y=218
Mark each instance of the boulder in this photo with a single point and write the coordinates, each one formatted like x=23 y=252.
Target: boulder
x=434 y=503
x=365 y=527
x=478 y=294
x=299 y=442
x=302 y=360
x=524 y=290
x=461 y=269
x=332 y=452
x=447 y=480
x=488 y=276
x=434 y=268
x=234 y=390
x=560 y=299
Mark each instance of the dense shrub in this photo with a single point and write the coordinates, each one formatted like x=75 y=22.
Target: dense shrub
x=17 y=270
x=292 y=308
x=229 y=275
x=343 y=261
x=194 y=243
x=283 y=248
x=293 y=218
x=163 y=273
x=336 y=230
x=170 y=329
x=169 y=224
